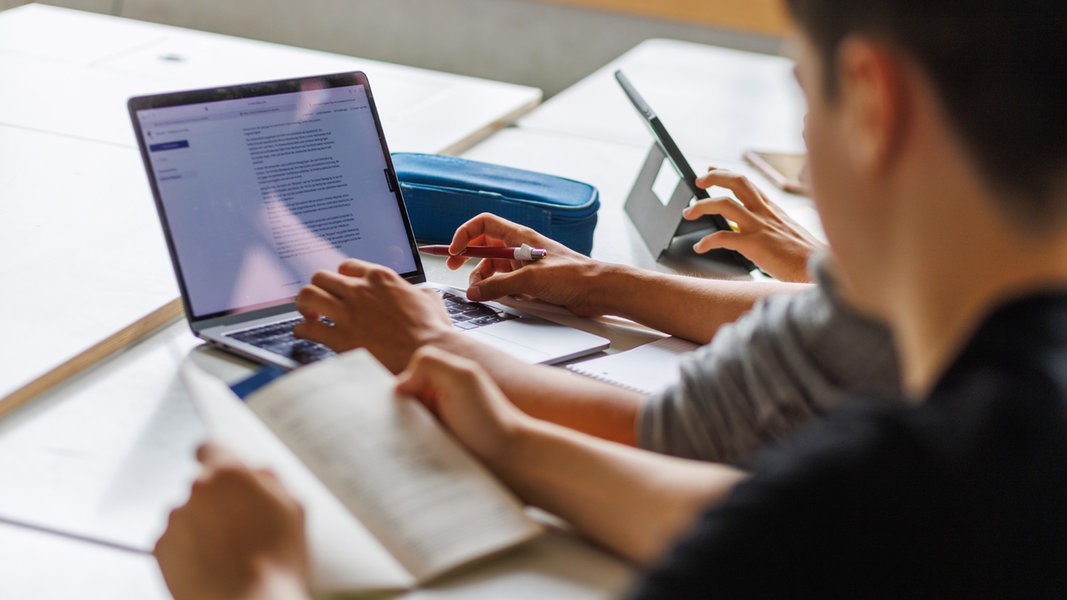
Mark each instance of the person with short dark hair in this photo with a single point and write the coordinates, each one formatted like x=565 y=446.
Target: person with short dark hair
x=938 y=143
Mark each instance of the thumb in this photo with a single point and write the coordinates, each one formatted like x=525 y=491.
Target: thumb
x=212 y=455
x=433 y=374
x=720 y=239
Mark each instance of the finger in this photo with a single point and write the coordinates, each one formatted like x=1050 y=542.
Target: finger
x=727 y=240
x=499 y=285
x=273 y=485
x=431 y=369
x=490 y=228
x=487 y=268
x=745 y=190
x=174 y=537
x=458 y=261
x=211 y=454
x=218 y=463
x=455 y=262
x=352 y=270
x=227 y=480
x=723 y=206
x=414 y=379
x=163 y=545
x=313 y=302
x=334 y=284
x=408 y=380
x=701 y=183
x=353 y=267
x=327 y=335
x=442 y=311
x=476 y=276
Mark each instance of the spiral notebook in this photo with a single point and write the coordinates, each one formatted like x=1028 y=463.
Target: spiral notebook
x=647 y=369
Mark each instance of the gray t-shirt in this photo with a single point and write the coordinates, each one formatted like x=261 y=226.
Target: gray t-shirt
x=767 y=374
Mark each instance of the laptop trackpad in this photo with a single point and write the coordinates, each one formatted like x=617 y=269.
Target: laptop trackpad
x=536 y=340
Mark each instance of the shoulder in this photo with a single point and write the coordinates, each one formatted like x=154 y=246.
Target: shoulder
x=936 y=501
x=809 y=517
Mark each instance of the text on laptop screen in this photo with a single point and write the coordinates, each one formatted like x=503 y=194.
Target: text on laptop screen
x=261 y=192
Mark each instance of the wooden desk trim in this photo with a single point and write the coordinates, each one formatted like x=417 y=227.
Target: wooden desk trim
x=757 y=16
x=120 y=340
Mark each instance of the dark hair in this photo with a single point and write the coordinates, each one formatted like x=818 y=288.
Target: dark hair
x=1000 y=68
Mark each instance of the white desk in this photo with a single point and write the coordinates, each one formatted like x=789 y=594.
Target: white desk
x=71 y=72
x=714 y=101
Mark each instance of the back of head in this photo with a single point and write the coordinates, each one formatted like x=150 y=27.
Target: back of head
x=1000 y=68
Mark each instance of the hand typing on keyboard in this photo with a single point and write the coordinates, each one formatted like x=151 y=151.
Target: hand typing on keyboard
x=371 y=307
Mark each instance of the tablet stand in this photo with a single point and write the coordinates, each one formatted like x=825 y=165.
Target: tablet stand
x=667 y=235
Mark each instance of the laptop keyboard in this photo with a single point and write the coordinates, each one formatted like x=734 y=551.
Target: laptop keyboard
x=278 y=337
x=471 y=315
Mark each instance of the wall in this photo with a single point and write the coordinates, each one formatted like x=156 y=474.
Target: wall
x=523 y=41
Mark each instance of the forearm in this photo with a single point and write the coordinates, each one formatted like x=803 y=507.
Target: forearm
x=634 y=502
x=689 y=307
x=554 y=394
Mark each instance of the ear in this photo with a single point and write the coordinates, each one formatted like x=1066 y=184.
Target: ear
x=875 y=101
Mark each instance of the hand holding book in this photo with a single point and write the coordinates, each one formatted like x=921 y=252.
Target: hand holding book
x=391 y=499
x=212 y=551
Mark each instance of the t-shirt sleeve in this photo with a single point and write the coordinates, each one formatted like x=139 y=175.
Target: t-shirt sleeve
x=767 y=374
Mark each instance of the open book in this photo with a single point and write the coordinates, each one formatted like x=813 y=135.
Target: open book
x=391 y=499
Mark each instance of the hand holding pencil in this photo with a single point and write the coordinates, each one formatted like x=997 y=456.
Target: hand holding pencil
x=524 y=252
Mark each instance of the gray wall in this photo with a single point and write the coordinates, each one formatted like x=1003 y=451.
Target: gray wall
x=521 y=41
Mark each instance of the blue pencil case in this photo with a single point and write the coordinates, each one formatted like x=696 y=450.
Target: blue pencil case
x=443 y=192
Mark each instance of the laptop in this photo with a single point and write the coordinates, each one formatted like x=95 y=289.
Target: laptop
x=260 y=185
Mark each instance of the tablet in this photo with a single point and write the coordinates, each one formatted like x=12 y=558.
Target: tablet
x=685 y=171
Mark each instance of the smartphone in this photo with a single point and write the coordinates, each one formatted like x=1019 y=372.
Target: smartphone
x=786 y=170
x=681 y=165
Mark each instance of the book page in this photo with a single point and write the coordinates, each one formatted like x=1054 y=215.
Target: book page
x=389 y=461
x=647 y=369
x=345 y=556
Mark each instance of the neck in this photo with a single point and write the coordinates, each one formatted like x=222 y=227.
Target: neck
x=954 y=276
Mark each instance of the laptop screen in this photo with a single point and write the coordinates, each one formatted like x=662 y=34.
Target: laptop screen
x=260 y=186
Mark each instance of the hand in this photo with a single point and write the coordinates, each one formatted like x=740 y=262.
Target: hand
x=370 y=306
x=240 y=535
x=765 y=235
x=564 y=277
x=466 y=401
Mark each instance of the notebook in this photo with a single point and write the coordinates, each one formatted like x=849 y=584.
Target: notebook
x=648 y=369
x=259 y=185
